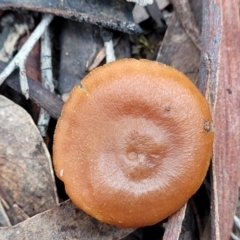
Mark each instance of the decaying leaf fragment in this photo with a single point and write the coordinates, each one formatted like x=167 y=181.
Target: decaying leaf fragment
x=63 y=222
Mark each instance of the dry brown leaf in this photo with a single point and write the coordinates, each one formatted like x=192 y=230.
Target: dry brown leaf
x=179 y=51
x=187 y=19
x=63 y=222
x=27 y=180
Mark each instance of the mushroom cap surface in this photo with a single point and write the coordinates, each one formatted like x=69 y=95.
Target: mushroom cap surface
x=134 y=143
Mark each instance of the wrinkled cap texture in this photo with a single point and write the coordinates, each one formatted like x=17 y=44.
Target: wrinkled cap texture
x=134 y=143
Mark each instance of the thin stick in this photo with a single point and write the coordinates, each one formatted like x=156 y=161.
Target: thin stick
x=4 y=220
x=20 y=211
x=4 y=203
x=108 y=44
x=101 y=55
x=47 y=78
x=110 y=54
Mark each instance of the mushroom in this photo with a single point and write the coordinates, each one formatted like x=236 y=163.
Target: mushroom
x=133 y=143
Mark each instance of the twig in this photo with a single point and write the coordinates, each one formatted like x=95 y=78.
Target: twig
x=101 y=55
x=4 y=220
x=236 y=222
x=4 y=203
x=110 y=55
x=47 y=78
x=20 y=211
x=20 y=58
x=108 y=43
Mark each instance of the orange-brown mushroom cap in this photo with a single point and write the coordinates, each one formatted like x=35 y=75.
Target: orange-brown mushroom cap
x=134 y=144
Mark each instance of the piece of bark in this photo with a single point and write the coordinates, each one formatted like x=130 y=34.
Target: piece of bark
x=80 y=42
x=174 y=224
x=191 y=224
x=110 y=14
x=63 y=222
x=43 y=97
x=27 y=178
x=220 y=79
